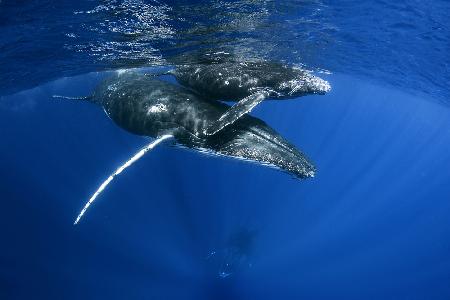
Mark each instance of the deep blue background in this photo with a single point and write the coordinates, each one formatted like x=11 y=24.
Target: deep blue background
x=373 y=224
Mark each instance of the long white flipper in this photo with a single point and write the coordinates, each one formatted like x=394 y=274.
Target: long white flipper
x=236 y=111
x=120 y=170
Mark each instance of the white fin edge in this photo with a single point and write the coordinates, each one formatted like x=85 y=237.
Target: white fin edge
x=128 y=163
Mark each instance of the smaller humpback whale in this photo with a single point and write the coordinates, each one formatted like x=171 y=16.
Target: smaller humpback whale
x=235 y=253
x=152 y=107
x=249 y=83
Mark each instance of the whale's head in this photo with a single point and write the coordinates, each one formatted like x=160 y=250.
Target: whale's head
x=298 y=82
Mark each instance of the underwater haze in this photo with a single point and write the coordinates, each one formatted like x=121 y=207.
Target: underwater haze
x=373 y=223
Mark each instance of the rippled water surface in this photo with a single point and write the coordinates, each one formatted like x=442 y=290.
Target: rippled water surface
x=403 y=44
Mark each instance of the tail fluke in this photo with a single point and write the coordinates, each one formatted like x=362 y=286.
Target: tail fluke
x=120 y=170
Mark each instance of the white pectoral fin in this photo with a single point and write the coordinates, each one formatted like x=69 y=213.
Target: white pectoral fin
x=236 y=111
x=128 y=163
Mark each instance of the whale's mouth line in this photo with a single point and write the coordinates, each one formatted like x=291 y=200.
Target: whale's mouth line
x=250 y=130
x=215 y=153
x=271 y=141
x=204 y=139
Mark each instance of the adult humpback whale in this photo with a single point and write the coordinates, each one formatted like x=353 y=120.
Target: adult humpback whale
x=249 y=83
x=149 y=106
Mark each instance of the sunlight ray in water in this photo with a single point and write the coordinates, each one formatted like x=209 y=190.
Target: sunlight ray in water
x=120 y=170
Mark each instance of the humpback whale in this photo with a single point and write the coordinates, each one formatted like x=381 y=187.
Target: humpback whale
x=249 y=83
x=231 y=81
x=151 y=107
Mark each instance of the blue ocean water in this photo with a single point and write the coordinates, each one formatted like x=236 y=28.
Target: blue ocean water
x=372 y=224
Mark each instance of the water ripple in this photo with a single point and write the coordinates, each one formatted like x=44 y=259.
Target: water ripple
x=403 y=44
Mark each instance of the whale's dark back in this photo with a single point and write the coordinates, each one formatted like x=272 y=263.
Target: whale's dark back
x=145 y=105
